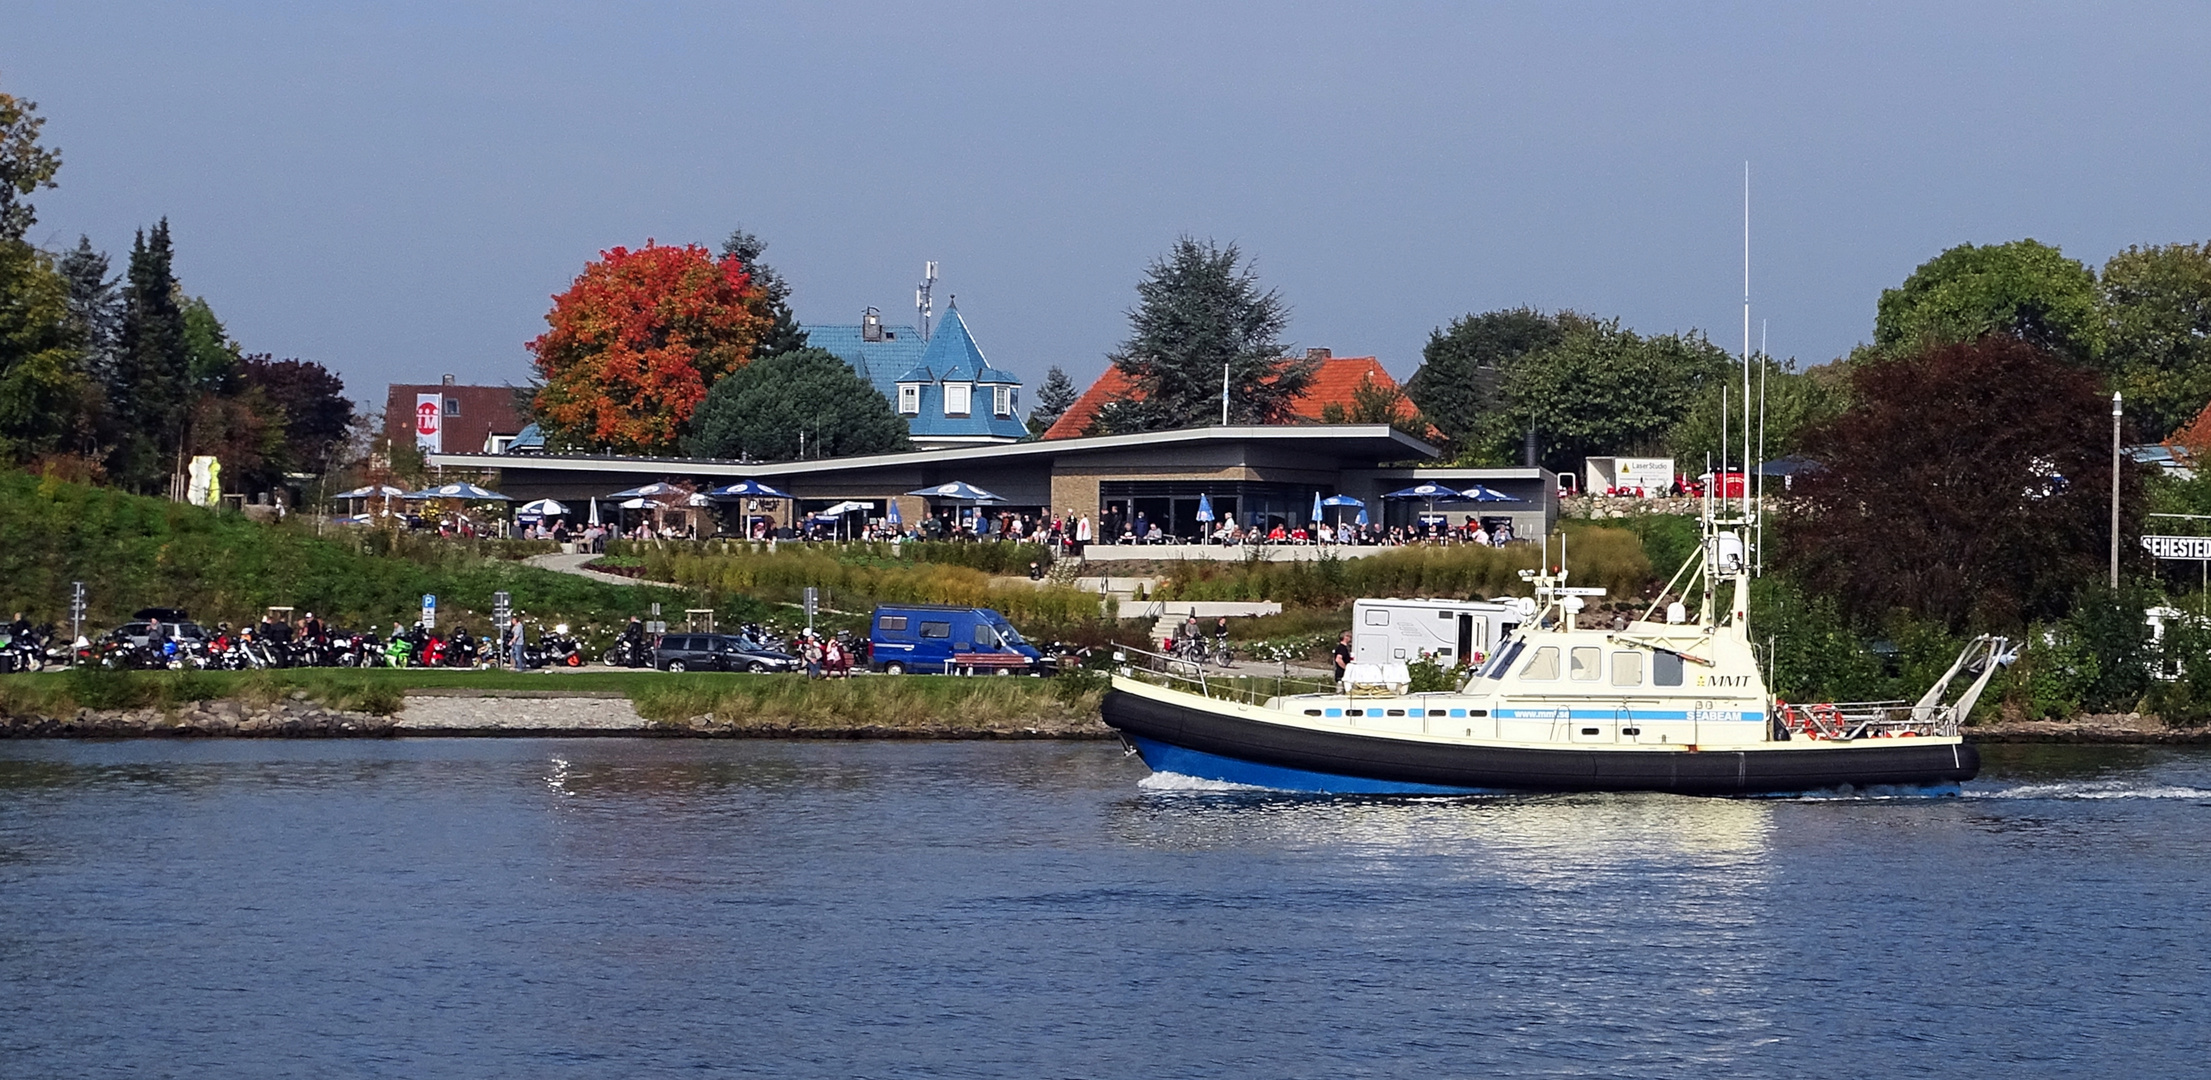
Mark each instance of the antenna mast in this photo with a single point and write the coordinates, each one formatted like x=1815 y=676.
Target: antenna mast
x=1746 y=339
x=923 y=306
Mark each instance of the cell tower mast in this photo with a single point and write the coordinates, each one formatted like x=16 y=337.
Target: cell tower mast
x=923 y=305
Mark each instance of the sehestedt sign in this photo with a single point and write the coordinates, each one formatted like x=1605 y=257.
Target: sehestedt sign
x=2179 y=547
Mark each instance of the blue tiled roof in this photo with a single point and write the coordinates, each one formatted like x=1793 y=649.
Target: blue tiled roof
x=904 y=358
x=879 y=362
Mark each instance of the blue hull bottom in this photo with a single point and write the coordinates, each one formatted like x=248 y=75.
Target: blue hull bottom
x=1227 y=770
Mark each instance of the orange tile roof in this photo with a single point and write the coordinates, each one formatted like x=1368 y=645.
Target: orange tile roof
x=1332 y=384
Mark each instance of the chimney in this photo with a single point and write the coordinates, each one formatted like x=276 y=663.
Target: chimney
x=449 y=380
x=1318 y=354
x=871 y=325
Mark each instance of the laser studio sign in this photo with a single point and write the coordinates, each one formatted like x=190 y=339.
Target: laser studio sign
x=2189 y=548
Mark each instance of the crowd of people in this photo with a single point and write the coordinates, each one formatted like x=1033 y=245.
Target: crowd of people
x=1065 y=533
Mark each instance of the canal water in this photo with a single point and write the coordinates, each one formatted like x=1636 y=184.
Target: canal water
x=615 y=907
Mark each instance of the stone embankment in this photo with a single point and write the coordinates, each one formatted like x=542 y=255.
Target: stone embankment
x=2102 y=728
x=290 y=718
x=539 y=713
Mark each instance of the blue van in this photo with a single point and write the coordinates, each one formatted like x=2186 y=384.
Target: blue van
x=928 y=639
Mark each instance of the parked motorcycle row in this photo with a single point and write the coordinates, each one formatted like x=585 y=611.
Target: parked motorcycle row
x=183 y=645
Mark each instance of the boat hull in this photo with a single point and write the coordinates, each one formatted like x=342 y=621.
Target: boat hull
x=1203 y=742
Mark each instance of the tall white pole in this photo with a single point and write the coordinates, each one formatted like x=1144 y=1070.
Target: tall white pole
x=1224 y=395
x=1747 y=463
x=2116 y=411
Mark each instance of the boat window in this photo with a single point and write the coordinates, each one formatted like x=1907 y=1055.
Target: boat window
x=936 y=629
x=1502 y=662
x=1627 y=669
x=1544 y=665
x=1378 y=617
x=1666 y=668
x=1588 y=662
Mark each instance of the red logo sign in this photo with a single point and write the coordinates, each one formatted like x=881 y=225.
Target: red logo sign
x=426 y=418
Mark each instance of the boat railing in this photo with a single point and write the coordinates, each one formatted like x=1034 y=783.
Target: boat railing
x=1190 y=674
x=1845 y=720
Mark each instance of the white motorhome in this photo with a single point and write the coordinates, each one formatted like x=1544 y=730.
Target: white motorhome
x=1456 y=632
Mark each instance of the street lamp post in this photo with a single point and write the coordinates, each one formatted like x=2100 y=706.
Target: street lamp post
x=2117 y=409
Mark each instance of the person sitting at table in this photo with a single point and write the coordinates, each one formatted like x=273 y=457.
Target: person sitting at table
x=1278 y=534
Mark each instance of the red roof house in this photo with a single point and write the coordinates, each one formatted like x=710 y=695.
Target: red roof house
x=1332 y=384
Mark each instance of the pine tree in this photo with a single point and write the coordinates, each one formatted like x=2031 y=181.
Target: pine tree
x=1200 y=311
x=95 y=306
x=1053 y=399
x=150 y=393
x=783 y=333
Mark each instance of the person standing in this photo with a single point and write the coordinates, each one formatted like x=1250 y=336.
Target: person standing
x=1082 y=534
x=1341 y=655
x=515 y=639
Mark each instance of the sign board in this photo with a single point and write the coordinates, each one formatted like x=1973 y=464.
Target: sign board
x=2197 y=548
x=429 y=611
x=813 y=599
x=1653 y=475
x=429 y=423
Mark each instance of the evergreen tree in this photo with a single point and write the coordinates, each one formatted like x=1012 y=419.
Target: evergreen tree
x=150 y=393
x=1462 y=372
x=759 y=411
x=783 y=333
x=1053 y=399
x=1199 y=311
x=95 y=306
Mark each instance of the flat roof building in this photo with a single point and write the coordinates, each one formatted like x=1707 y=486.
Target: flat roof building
x=1259 y=475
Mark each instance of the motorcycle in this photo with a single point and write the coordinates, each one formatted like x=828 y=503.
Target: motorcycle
x=558 y=649
x=627 y=653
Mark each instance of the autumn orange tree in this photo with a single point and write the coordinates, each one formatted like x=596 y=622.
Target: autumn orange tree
x=635 y=343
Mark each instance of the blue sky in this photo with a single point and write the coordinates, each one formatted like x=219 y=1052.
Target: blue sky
x=396 y=190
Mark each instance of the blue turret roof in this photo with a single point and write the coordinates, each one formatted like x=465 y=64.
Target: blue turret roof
x=950 y=355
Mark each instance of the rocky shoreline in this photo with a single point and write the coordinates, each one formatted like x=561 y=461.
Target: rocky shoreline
x=479 y=714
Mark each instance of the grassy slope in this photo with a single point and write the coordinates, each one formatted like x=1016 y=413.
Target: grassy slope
x=134 y=552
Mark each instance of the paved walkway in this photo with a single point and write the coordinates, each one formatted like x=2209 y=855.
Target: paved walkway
x=573 y=564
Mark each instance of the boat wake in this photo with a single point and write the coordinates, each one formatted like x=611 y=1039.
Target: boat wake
x=2094 y=789
x=1173 y=783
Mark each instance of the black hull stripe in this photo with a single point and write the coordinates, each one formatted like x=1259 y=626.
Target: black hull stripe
x=1903 y=762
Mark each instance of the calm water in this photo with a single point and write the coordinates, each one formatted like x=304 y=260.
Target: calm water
x=594 y=908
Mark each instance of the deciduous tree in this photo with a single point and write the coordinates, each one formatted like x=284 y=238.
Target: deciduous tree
x=25 y=166
x=1462 y=372
x=761 y=411
x=2157 y=313
x=42 y=389
x=2025 y=289
x=1200 y=311
x=1967 y=484
x=1604 y=389
x=636 y=342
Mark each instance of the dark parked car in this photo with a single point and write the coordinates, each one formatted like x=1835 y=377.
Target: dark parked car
x=717 y=652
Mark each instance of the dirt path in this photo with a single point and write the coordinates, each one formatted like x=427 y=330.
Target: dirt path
x=574 y=564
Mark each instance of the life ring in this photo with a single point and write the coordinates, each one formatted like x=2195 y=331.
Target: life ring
x=1821 y=717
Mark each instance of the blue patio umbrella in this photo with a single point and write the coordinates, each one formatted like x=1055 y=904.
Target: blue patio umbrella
x=748 y=489
x=650 y=491
x=1205 y=507
x=957 y=490
x=1430 y=491
x=891 y=515
x=463 y=491
x=1345 y=500
x=1316 y=508
x=1362 y=517
x=1484 y=493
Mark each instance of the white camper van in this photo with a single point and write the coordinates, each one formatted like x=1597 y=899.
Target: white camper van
x=1457 y=632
